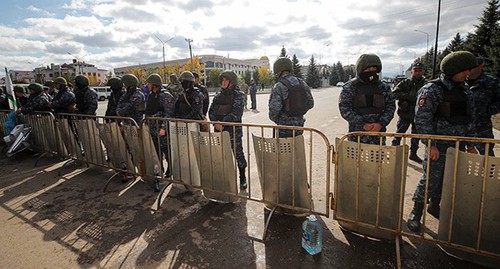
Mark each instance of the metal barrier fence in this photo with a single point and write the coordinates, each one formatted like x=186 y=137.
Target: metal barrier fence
x=4 y=114
x=373 y=191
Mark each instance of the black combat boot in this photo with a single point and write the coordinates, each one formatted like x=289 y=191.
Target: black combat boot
x=414 y=218
x=414 y=157
x=434 y=209
x=243 y=179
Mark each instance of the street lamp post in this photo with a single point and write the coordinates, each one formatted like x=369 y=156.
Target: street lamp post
x=190 y=51
x=427 y=34
x=163 y=47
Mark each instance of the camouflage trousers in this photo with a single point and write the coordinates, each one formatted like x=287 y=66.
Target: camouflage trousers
x=161 y=145
x=237 y=145
x=402 y=127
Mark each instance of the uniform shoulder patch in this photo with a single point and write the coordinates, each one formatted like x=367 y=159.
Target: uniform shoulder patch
x=421 y=101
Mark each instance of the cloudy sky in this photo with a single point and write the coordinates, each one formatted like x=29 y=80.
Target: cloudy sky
x=117 y=33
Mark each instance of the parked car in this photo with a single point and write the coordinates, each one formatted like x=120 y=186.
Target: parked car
x=103 y=93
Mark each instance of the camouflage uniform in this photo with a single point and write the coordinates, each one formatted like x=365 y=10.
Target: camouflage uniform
x=132 y=104
x=486 y=93
x=429 y=120
x=244 y=89
x=189 y=104
x=206 y=97
x=36 y=102
x=86 y=101
x=277 y=104
x=406 y=94
x=63 y=101
x=174 y=88
x=116 y=94
x=357 y=116
x=228 y=106
x=160 y=105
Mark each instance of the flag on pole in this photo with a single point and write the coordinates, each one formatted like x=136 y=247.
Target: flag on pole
x=9 y=90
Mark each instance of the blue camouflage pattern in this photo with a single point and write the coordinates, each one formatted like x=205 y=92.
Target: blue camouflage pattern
x=428 y=121
x=132 y=104
x=64 y=101
x=356 y=120
x=235 y=115
x=36 y=102
x=86 y=101
x=278 y=115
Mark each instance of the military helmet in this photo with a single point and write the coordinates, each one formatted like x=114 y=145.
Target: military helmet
x=115 y=83
x=186 y=75
x=130 y=80
x=60 y=80
x=457 y=62
x=82 y=81
x=229 y=75
x=18 y=88
x=368 y=60
x=282 y=64
x=38 y=88
x=154 y=79
x=48 y=83
x=417 y=66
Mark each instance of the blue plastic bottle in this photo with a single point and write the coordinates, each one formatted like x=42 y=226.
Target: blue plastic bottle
x=312 y=235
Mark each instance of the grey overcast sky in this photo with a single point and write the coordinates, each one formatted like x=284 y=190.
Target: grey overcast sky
x=117 y=33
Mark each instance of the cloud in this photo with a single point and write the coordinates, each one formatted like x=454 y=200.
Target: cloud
x=237 y=39
x=40 y=11
x=76 y=4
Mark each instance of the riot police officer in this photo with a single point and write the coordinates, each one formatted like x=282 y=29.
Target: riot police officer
x=228 y=106
x=174 y=87
x=132 y=104
x=117 y=91
x=444 y=107
x=64 y=101
x=365 y=102
x=86 y=98
x=189 y=103
x=38 y=101
x=290 y=98
x=204 y=91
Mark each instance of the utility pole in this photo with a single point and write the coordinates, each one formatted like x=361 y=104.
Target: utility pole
x=163 y=46
x=436 y=44
x=190 y=52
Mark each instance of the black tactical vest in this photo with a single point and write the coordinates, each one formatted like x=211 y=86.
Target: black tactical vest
x=369 y=99
x=455 y=106
x=295 y=104
x=182 y=107
x=153 y=104
x=223 y=103
x=80 y=100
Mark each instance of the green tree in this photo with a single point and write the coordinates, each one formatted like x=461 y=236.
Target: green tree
x=283 y=52
x=213 y=77
x=334 y=75
x=480 y=41
x=297 y=68
x=256 y=77
x=457 y=43
x=247 y=76
x=313 y=76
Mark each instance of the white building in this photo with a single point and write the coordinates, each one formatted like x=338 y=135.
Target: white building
x=210 y=61
x=22 y=76
x=71 y=70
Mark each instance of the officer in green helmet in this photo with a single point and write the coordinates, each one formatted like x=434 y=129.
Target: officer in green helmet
x=86 y=98
x=174 y=87
x=189 y=103
x=20 y=94
x=117 y=91
x=290 y=98
x=228 y=106
x=38 y=101
x=64 y=101
x=132 y=104
x=365 y=102
x=50 y=89
x=444 y=107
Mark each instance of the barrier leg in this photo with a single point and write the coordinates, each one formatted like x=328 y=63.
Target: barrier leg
x=39 y=157
x=75 y=162
x=109 y=180
x=160 y=195
x=267 y=223
x=398 y=251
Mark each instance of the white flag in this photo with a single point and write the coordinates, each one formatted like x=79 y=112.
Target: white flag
x=9 y=90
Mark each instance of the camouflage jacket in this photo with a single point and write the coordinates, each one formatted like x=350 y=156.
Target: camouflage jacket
x=279 y=94
x=175 y=89
x=406 y=94
x=132 y=104
x=63 y=101
x=166 y=103
x=189 y=105
x=486 y=93
x=86 y=101
x=206 y=99
x=356 y=121
x=39 y=102
x=428 y=119
x=113 y=101
x=238 y=100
